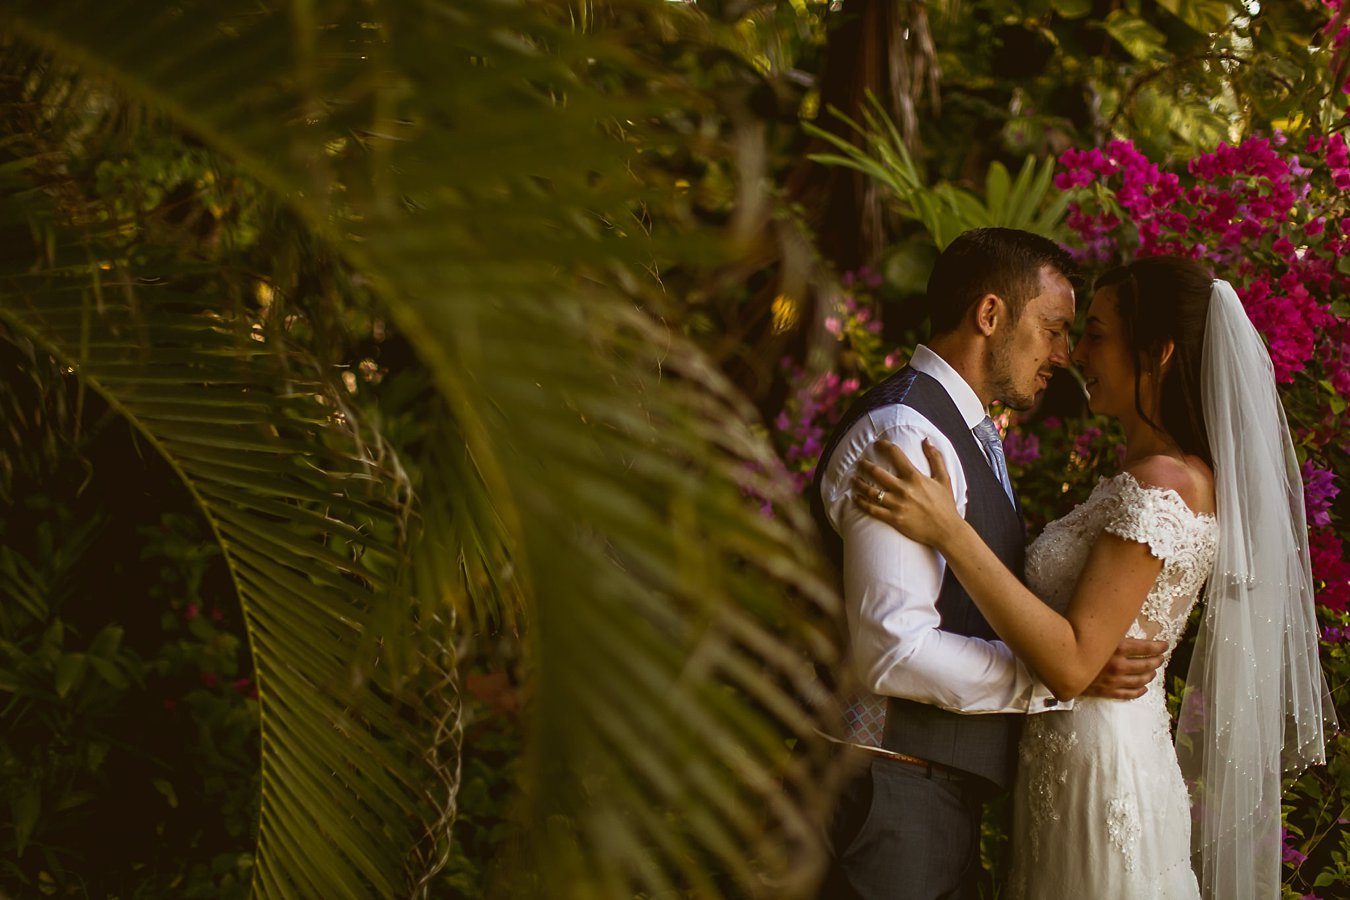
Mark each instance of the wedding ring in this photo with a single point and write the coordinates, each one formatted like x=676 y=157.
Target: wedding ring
x=881 y=495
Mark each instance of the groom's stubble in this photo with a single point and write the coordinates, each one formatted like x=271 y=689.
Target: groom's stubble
x=1002 y=383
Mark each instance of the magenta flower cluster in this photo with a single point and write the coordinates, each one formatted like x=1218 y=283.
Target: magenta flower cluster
x=1086 y=442
x=856 y=319
x=855 y=313
x=1329 y=566
x=815 y=408
x=1142 y=191
x=1291 y=854
x=817 y=402
x=1248 y=211
x=1319 y=490
x=1021 y=449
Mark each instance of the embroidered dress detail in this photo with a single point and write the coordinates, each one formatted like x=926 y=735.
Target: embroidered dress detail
x=1123 y=829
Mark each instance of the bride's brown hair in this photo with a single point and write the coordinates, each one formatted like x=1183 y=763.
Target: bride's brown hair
x=1162 y=298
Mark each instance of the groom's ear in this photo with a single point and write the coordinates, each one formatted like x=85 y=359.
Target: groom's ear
x=989 y=313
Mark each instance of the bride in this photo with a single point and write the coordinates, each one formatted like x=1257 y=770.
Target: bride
x=1208 y=499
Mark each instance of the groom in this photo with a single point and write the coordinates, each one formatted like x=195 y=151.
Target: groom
x=938 y=724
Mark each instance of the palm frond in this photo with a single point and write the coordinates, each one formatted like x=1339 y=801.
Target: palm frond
x=311 y=525
x=476 y=163
x=944 y=210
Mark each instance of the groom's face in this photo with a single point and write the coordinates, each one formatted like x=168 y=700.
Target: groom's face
x=1027 y=352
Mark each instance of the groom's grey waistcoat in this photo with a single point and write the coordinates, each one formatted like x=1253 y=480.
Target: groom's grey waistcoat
x=985 y=745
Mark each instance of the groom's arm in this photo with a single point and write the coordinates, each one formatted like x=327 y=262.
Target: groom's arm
x=891 y=585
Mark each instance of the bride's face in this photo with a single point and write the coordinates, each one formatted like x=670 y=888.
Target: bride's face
x=1102 y=356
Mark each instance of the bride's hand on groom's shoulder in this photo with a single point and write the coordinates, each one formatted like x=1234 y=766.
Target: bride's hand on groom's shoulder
x=1128 y=672
x=919 y=506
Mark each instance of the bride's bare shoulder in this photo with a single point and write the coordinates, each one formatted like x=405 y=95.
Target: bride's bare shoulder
x=1189 y=477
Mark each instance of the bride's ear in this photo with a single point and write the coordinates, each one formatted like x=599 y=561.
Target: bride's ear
x=1169 y=349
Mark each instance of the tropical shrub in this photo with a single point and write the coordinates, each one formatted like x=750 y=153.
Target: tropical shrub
x=128 y=756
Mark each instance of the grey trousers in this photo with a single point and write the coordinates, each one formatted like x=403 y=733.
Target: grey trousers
x=901 y=834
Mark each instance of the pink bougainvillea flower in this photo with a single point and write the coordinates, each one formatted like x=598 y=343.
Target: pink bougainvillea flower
x=1319 y=490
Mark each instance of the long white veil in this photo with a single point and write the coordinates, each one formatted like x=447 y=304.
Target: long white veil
x=1256 y=705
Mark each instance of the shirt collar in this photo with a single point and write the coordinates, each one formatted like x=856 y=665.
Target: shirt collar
x=969 y=405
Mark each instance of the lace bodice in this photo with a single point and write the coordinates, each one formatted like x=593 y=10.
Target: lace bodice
x=1184 y=540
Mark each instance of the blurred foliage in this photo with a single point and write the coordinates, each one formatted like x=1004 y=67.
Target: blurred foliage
x=1175 y=76
x=486 y=191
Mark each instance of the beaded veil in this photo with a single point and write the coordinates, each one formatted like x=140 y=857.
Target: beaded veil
x=1256 y=705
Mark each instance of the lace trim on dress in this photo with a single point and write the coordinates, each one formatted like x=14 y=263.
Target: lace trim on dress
x=1182 y=538
x=1154 y=516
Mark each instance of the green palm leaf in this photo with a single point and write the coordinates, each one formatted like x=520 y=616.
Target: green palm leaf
x=476 y=164
x=944 y=210
x=310 y=526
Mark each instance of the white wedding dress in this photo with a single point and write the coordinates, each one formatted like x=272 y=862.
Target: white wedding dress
x=1100 y=808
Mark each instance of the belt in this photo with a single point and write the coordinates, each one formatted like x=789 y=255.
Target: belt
x=930 y=768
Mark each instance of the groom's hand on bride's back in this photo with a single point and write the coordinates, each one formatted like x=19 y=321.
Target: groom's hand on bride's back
x=1128 y=672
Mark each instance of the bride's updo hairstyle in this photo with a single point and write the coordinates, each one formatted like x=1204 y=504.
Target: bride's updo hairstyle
x=1162 y=298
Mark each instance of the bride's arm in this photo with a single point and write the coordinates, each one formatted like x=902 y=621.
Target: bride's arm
x=1065 y=651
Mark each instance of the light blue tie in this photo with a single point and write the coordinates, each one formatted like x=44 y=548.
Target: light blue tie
x=987 y=434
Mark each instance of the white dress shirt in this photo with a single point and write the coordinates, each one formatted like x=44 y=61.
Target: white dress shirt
x=891 y=583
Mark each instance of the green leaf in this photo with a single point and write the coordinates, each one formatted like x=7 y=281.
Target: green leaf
x=73 y=799
x=1072 y=9
x=106 y=642
x=943 y=209
x=54 y=636
x=165 y=788
x=997 y=186
x=1205 y=16
x=70 y=670
x=24 y=805
x=1140 y=39
x=109 y=672
x=248 y=486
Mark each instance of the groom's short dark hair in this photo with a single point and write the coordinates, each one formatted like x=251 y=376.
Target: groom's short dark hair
x=1001 y=261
